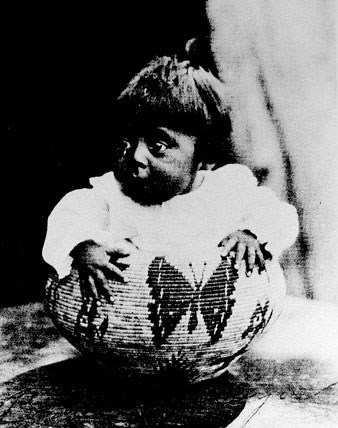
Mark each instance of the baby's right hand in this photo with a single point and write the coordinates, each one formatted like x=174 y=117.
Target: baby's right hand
x=94 y=264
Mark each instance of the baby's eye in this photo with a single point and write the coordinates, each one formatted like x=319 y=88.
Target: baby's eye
x=157 y=147
x=158 y=142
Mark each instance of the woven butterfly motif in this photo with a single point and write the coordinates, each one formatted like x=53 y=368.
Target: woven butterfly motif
x=214 y=298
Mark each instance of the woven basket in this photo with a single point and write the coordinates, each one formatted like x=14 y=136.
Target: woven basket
x=174 y=315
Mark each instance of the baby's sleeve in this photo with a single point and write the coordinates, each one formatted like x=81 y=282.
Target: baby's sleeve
x=273 y=221
x=79 y=216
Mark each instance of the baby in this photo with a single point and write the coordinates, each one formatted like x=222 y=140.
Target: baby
x=173 y=185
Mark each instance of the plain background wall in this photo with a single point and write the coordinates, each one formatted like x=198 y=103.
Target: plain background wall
x=279 y=60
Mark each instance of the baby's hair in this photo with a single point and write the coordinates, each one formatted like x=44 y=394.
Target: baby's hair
x=181 y=95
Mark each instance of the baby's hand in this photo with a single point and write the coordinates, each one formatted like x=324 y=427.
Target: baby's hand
x=96 y=263
x=247 y=247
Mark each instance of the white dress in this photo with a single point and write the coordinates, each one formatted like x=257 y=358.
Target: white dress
x=228 y=199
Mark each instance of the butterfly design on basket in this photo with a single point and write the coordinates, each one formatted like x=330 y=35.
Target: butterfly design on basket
x=172 y=301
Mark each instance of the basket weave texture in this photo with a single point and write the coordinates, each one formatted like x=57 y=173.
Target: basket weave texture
x=192 y=315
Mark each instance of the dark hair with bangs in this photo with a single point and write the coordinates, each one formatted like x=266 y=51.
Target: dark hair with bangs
x=176 y=94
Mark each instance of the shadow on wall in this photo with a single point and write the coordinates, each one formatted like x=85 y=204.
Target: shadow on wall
x=63 y=64
x=278 y=59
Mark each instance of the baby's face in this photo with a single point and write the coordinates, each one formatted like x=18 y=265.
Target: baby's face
x=157 y=166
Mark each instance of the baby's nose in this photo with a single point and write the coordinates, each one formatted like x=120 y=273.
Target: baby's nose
x=141 y=154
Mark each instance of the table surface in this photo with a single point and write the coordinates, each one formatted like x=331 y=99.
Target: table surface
x=288 y=380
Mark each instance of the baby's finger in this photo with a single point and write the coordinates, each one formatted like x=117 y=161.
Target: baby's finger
x=229 y=245
x=103 y=286
x=84 y=287
x=261 y=259
x=125 y=261
x=241 y=248
x=251 y=258
x=92 y=287
x=112 y=269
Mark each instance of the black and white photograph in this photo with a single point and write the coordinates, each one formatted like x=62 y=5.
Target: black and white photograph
x=169 y=229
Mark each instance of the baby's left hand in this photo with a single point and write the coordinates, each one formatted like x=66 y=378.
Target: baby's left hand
x=247 y=248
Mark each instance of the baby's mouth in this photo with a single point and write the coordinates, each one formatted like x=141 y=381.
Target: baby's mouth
x=140 y=174
x=137 y=180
